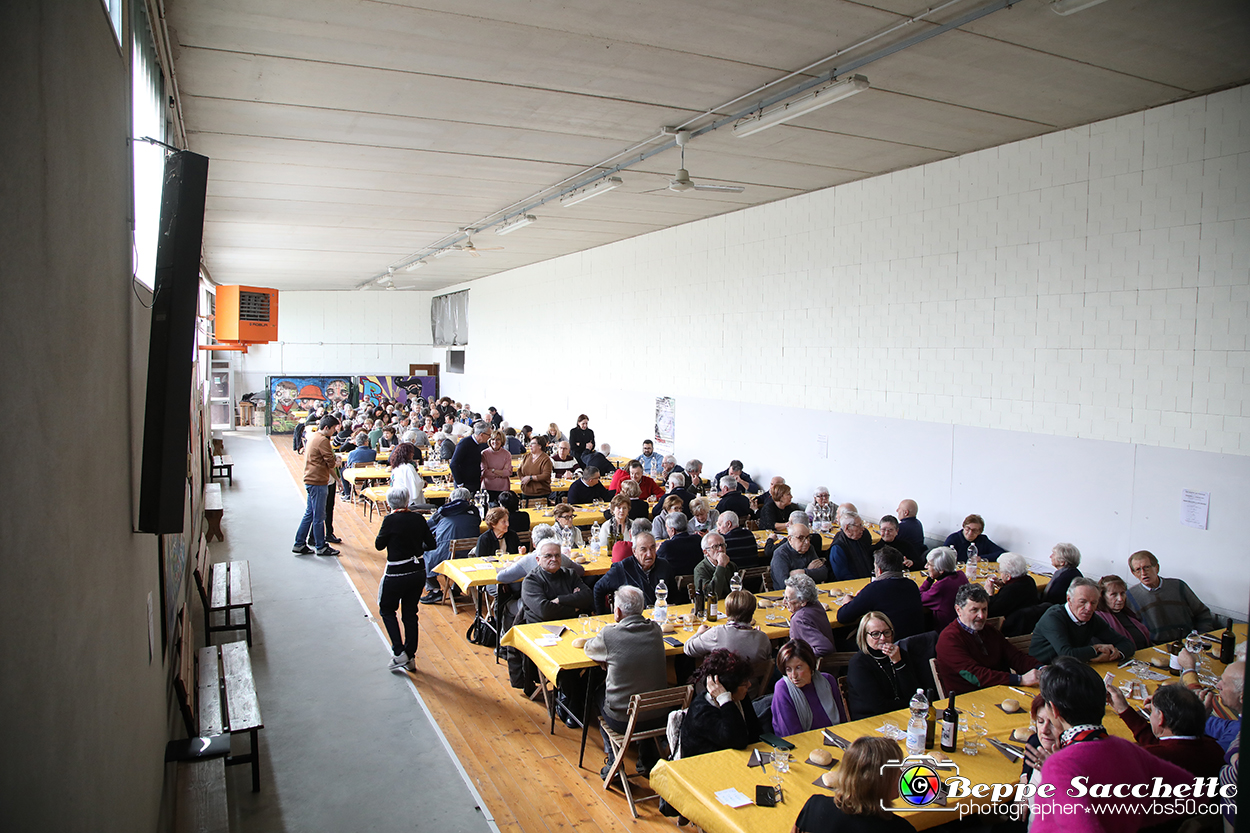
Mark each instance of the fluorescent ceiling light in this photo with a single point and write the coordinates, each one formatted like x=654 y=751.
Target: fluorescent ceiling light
x=804 y=104
x=441 y=253
x=415 y=265
x=1067 y=7
x=603 y=186
x=512 y=225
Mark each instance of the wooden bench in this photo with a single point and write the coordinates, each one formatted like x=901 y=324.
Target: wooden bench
x=200 y=803
x=213 y=510
x=222 y=465
x=224 y=588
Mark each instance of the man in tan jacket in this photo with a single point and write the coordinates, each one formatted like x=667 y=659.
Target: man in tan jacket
x=319 y=464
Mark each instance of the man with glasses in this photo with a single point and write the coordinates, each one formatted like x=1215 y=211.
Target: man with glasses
x=715 y=570
x=972 y=656
x=1166 y=605
x=563 y=464
x=793 y=557
x=890 y=592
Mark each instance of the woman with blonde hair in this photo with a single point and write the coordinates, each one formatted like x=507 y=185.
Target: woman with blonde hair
x=861 y=791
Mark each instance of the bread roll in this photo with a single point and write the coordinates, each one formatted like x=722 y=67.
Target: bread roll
x=1011 y=706
x=668 y=627
x=821 y=757
x=580 y=642
x=827 y=778
x=1021 y=735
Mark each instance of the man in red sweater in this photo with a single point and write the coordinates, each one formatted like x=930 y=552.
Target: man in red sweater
x=1175 y=729
x=972 y=656
x=647 y=486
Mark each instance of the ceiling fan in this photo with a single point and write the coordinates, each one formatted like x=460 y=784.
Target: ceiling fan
x=682 y=181
x=468 y=248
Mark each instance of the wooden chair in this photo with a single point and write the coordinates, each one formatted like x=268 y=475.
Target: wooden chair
x=682 y=589
x=374 y=499
x=996 y=623
x=459 y=548
x=524 y=538
x=1022 y=642
x=937 y=680
x=837 y=661
x=643 y=708
x=763 y=575
x=844 y=688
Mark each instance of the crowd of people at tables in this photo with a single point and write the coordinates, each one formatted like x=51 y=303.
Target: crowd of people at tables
x=892 y=625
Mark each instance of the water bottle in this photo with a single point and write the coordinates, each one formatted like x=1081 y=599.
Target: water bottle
x=594 y=540
x=972 y=553
x=661 y=603
x=735 y=583
x=970 y=569
x=566 y=541
x=918 y=725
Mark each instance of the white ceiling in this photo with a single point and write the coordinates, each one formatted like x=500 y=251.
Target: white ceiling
x=346 y=136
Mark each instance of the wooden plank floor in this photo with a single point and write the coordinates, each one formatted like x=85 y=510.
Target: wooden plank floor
x=528 y=778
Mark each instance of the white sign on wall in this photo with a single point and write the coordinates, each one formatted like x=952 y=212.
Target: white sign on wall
x=1195 y=508
x=665 y=424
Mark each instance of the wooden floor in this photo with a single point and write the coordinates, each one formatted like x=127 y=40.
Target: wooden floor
x=528 y=778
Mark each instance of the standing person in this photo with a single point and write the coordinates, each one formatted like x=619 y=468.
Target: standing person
x=535 y=470
x=582 y=439
x=496 y=465
x=319 y=461
x=406 y=537
x=466 y=461
x=403 y=462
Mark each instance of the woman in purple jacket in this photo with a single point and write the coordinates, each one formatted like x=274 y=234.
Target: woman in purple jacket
x=939 y=589
x=804 y=698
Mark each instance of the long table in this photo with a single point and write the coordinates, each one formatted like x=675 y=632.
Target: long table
x=690 y=784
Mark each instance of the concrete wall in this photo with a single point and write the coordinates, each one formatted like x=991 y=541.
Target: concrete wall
x=354 y=333
x=84 y=707
x=1051 y=333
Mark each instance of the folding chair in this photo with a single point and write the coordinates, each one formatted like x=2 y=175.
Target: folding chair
x=937 y=680
x=651 y=706
x=762 y=574
x=838 y=660
x=459 y=548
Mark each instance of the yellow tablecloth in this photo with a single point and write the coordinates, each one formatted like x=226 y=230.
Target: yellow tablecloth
x=477 y=572
x=367 y=473
x=557 y=486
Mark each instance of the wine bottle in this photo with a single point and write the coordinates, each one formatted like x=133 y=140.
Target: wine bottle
x=950 y=726
x=711 y=605
x=931 y=721
x=1228 y=644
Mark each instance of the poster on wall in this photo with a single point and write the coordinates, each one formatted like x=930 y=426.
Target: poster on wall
x=397 y=388
x=291 y=397
x=665 y=424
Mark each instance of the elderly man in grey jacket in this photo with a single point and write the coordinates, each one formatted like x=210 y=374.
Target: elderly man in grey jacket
x=632 y=650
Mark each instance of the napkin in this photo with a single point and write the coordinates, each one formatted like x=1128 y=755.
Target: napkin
x=556 y=630
x=835 y=740
x=733 y=798
x=755 y=759
x=547 y=641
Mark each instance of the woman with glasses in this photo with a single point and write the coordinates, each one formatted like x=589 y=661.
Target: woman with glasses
x=880 y=675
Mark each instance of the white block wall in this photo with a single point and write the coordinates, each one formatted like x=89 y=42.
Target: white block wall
x=1054 y=328
x=352 y=333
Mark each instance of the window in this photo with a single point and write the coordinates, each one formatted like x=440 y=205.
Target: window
x=449 y=319
x=147 y=119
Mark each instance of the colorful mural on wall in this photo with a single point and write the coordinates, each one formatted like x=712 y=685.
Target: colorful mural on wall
x=290 y=398
x=374 y=388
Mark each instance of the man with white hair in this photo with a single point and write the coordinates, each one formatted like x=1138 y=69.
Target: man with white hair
x=667 y=467
x=694 y=471
x=740 y=543
x=1071 y=629
x=1223 y=705
x=793 y=557
x=466 y=462
x=632 y=651
x=1166 y=605
x=676 y=484
x=643 y=571
x=552 y=591
x=732 y=499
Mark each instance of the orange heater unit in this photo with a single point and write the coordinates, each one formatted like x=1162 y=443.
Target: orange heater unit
x=246 y=315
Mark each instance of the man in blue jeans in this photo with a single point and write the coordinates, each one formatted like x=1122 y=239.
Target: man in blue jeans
x=319 y=464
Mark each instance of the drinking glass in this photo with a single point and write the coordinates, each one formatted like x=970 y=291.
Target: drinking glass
x=583 y=621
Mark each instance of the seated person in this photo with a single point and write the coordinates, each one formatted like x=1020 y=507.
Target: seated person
x=972 y=656
x=564 y=516
x=618 y=526
x=551 y=592
x=515 y=447
x=821 y=510
x=804 y=698
x=850 y=554
x=598 y=459
x=518 y=521
x=889 y=537
x=643 y=570
x=668 y=468
x=683 y=551
x=1012 y=588
x=1223 y=706
x=1076 y=697
x=860 y=793
x=939 y=588
x=732 y=500
x=647 y=487
x=514 y=572
x=973 y=533
x=638 y=508
x=694 y=477
x=587 y=488
x=446 y=446
x=632 y=650
x=651 y=462
x=715 y=570
x=1174 y=731
x=889 y=592
x=910 y=529
x=743 y=549
x=497 y=538
x=774 y=514
x=564 y=465
x=1071 y=629
x=1113 y=608
x=793 y=557
x=880 y=675
x=1066 y=559
x=671 y=505
x=676 y=488
x=717 y=717
x=742 y=480
x=702 y=516
x=738 y=633
x=455 y=519
x=1166 y=605
x=387 y=441
x=809 y=621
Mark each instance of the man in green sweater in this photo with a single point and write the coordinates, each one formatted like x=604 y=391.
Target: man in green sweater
x=1071 y=629
x=1166 y=605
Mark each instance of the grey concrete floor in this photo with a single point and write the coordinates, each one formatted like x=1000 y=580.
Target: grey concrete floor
x=347 y=745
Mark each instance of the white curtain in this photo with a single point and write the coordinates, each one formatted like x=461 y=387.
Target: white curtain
x=449 y=319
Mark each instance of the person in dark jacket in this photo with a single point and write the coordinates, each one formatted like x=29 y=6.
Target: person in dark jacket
x=642 y=570
x=739 y=542
x=582 y=440
x=1074 y=629
x=795 y=555
x=599 y=459
x=466 y=461
x=1013 y=587
x=497 y=537
x=881 y=676
x=733 y=500
x=717 y=718
x=457 y=518
x=1066 y=559
x=587 y=488
x=406 y=538
x=850 y=553
x=973 y=532
x=891 y=592
x=550 y=592
x=1175 y=729
x=683 y=551
x=742 y=480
